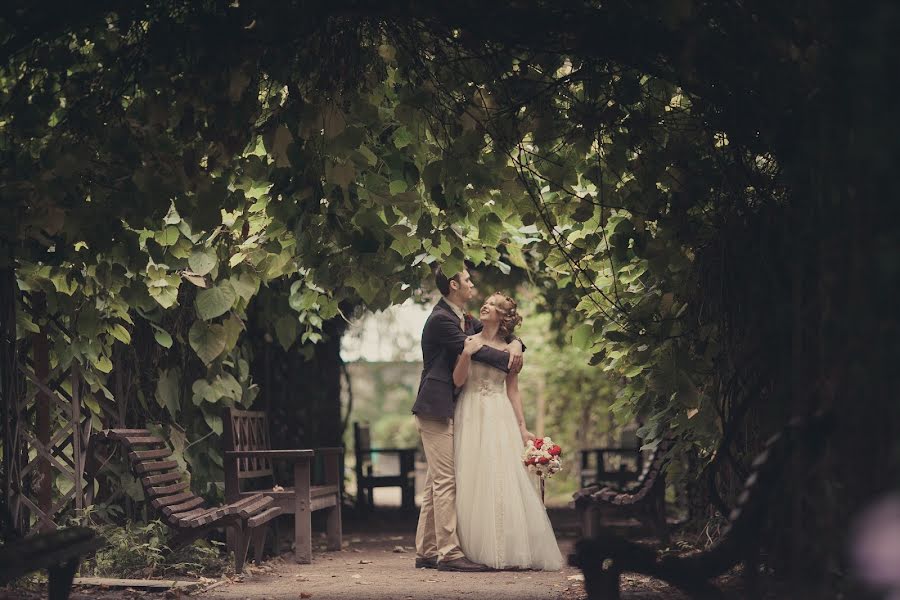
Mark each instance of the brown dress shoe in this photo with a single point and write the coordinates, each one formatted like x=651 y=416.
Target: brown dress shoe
x=427 y=563
x=461 y=564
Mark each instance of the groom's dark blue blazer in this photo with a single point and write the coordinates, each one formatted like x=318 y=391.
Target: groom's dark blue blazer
x=442 y=343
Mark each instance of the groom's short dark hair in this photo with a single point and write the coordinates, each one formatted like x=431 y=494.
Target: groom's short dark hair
x=443 y=282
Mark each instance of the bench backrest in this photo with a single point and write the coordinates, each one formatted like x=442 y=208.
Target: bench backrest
x=165 y=487
x=362 y=438
x=248 y=430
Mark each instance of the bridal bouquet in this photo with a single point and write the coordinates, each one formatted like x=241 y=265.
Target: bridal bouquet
x=543 y=457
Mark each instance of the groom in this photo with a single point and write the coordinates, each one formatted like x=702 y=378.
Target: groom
x=445 y=332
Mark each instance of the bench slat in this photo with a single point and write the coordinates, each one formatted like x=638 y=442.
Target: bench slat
x=167 y=489
x=256 y=506
x=182 y=507
x=161 y=478
x=177 y=521
x=155 y=465
x=142 y=440
x=264 y=517
x=170 y=500
x=138 y=455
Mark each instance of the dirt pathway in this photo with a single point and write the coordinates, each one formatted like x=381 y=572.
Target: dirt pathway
x=373 y=567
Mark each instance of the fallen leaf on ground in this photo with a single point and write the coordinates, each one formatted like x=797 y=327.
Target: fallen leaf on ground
x=399 y=549
x=575 y=577
x=356 y=576
x=365 y=562
x=305 y=595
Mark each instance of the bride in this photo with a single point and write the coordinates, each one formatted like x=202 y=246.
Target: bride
x=501 y=519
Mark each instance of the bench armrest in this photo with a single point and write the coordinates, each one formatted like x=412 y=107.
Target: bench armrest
x=274 y=454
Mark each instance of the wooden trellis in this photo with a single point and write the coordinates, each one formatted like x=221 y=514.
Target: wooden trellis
x=50 y=430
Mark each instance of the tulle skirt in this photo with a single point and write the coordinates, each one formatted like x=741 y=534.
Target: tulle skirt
x=501 y=520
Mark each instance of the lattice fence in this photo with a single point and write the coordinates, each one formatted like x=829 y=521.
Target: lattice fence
x=50 y=430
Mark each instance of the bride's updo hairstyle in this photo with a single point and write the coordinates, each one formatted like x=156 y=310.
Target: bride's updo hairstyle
x=510 y=317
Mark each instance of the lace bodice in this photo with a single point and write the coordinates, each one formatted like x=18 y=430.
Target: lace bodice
x=483 y=378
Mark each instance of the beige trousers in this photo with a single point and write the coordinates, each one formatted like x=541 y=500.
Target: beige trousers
x=436 y=532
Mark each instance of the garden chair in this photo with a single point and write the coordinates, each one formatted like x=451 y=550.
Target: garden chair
x=367 y=480
x=249 y=457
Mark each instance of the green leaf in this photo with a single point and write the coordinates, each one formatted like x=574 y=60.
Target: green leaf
x=287 y=330
x=163 y=287
x=63 y=283
x=490 y=229
x=585 y=209
x=172 y=217
x=342 y=175
x=582 y=336
x=103 y=364
x=634 y=370
x=213 y=420
x=202 y=261
x=120 y=333
x=370 y=157
x=168 y=390
x=208 y=341
x=162 y=337
x=215 y=301
x=280 y=143
x=402 y=137
x=25 y=324
x=223 y=387
x=406 y=245
x=397 y=186
x=233 y=328
x=168 y=236
x=246 y=285
x=453 y=264
x=617 y=336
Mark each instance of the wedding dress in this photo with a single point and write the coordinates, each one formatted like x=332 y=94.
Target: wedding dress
x=501 y=520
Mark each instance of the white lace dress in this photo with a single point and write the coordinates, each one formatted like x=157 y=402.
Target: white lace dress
x=501 y=520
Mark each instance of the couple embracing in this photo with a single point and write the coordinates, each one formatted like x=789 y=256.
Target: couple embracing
x=481 y=509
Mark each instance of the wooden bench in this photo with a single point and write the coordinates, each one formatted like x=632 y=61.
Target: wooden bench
x=170 y=495
x=595 y=472
x=59 y=552
x=249 y=457
x=367 y=480
x=645 y=500
x=605 y=556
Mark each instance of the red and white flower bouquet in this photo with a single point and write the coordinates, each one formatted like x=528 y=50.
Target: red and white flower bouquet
x=543 y=457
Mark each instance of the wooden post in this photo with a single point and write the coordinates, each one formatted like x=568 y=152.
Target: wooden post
x=41 y=352
x=76 y=438
x=302 y=512
x=333 y=525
